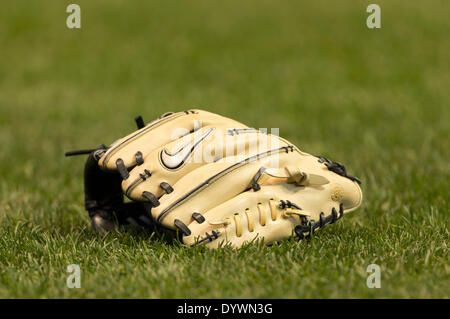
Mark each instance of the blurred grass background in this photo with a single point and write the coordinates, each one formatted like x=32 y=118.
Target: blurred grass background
x=376 y=100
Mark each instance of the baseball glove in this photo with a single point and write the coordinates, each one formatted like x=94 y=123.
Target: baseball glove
x=216 y=181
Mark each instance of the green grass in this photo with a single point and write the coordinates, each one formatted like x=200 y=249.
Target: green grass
x=376 y=100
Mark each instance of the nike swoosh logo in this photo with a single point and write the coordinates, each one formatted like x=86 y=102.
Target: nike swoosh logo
x=175 y=160
x=220 y=174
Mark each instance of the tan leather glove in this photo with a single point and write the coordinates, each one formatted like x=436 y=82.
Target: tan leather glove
x=218 y=181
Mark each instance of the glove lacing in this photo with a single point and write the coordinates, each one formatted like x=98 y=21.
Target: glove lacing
x=306 y=227
x=337 y=168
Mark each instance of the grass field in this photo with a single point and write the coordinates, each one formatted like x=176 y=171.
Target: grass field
x=375 y=100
